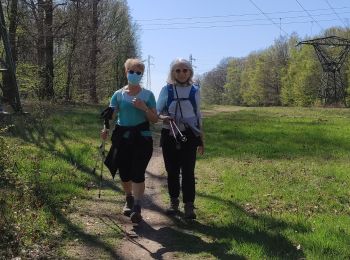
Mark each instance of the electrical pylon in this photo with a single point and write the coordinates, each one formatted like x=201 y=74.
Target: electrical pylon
x=148 y=79
x=192 y=60
x=331 y=52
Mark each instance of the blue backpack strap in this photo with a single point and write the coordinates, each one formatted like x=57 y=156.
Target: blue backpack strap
x=170 y=95
x=192 y=98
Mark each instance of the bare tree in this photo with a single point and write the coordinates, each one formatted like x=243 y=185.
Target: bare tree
x=93 y=52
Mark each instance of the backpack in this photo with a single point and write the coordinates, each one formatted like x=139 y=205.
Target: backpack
x=191 y=97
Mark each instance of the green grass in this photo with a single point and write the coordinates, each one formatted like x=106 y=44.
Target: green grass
x=50 y=154
x=274 y=183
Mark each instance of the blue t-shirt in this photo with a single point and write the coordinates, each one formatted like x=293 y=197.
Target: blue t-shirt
x=128 y=115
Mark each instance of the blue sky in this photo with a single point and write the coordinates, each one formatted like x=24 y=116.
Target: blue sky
x=228 y=28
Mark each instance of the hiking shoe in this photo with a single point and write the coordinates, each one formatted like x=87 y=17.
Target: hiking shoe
x=129 y=204
x=135 y=215
x=174 y=207
x=189 y=211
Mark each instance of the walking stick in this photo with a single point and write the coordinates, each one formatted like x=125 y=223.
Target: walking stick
x=101 y=150
x=106 y=115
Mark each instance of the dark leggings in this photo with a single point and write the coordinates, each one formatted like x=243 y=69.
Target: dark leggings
x=180 y=161
x=134 y=158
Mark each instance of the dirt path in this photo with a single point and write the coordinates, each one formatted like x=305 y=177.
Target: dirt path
x=98 y=224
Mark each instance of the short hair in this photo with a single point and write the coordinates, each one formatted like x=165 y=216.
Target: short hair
x=134 y=62
x=176 y=62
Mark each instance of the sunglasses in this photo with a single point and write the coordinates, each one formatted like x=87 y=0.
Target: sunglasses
x=137 y=72
x=183 y=70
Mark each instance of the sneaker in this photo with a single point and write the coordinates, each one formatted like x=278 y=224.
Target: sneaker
x=135 y=215
x=174 y=207
x=189 y=211
x=129 y=204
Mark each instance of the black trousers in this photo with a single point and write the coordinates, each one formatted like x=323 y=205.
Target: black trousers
x=180 y=159
x=134 y=158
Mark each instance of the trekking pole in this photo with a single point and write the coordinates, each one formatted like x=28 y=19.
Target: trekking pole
x=103 y=155
x=106 y=115
x=172 y=129
x=183 y=137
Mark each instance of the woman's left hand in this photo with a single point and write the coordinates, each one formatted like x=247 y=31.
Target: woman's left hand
x=200 y=149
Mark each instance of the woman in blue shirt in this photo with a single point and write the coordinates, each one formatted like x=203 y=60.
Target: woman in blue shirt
x=178 y=106
x=132 y=143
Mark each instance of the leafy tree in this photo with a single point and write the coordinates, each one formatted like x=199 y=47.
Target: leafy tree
x=232 y=94
x=252 y=90
x=301 y=83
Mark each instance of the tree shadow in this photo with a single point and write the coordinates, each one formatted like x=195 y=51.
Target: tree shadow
x=196 y=237
x=261 y=230
x=74 y=230
x=177 y=240
x=47 y=138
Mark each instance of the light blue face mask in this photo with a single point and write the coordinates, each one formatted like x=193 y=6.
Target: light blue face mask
x=134 y=79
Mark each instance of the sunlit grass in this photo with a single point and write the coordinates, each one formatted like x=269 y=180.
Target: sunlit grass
x=52 y=158
x=275 y=182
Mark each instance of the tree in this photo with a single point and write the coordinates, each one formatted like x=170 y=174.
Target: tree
x=301 y=83
x=232 y=86
x=93 y=52
x=252 y=91
x=213 y=83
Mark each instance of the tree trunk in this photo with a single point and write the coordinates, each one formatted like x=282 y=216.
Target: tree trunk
x=93 y=52
x=8 y=94
x=49 y=66
x=74 y=38
x=13 y=21
x=40 y=47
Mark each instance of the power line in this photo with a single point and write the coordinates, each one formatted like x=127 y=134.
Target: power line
x=235 y=15
x=240 y=20
x=306 y=11
x=335 y=12
x=267 y=17
x=232 y=25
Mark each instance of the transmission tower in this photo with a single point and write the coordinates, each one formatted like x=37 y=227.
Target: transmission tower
x=331 y=52
x=8 y=65
x=148 y=80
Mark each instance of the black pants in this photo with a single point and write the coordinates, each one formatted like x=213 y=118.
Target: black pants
x=180 y=160
x=134 y=158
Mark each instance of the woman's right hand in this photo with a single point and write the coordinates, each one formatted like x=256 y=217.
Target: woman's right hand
x=165 y=119
x=104 y=134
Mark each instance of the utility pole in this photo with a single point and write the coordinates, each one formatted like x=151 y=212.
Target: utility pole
x=148 y=80
x=192 y=60
x=196 y=80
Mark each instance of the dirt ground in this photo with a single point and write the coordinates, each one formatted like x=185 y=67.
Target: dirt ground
x=98 y=222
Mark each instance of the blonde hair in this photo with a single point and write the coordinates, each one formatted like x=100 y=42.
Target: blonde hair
x=134 y=62
x=179 y=61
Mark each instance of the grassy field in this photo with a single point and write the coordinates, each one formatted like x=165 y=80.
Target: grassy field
x=273 y=184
